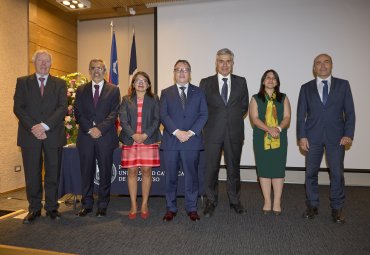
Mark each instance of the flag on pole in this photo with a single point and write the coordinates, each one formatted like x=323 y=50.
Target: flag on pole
x=133 y=61
x=113 y=70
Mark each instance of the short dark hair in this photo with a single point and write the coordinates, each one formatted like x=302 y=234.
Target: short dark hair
x=184 y=62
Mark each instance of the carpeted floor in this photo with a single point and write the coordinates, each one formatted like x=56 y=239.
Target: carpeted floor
x=225 y=233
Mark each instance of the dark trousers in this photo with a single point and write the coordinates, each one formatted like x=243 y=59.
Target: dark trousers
x=232 y=155
x=335 y=158
x=33 y=159
x=91 y=157
x=189 y=161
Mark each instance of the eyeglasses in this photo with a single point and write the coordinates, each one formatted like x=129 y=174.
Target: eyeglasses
x=98 y=68
x=138 y=81
x=182 y=70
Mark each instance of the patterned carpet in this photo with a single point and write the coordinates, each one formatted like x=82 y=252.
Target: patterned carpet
x=225 y=233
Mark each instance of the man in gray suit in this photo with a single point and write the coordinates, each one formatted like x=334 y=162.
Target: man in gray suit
x=325 y=120
x=40 y=103
x=227 y=100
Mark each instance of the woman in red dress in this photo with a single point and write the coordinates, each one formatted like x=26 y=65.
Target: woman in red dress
x=140 y=135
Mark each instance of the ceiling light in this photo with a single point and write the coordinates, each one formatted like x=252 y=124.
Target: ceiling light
x=73 y=4
x=132 y=11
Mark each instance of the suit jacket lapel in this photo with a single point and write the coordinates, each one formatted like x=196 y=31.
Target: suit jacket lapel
x=234 y=89
x=103 y=92
x=48 y=86
x=216 y=89
x=333 y=85
x=89 y=94
x=176 y=96
x=189 y=96
x=34 y=86
x=315 y=90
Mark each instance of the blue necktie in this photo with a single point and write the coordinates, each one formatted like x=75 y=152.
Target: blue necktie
x=224 y=90
x=325 y=92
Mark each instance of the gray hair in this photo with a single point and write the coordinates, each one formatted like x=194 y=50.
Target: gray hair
x=38 y=52
x=225 y=51
x=95 y=60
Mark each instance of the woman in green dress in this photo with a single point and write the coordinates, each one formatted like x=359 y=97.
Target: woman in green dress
x=270 y=116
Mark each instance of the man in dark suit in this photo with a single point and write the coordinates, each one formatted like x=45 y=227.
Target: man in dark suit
x=183 y=113
x=96 y=108
x=40 y=103
x=227 y=100
x=325 y=120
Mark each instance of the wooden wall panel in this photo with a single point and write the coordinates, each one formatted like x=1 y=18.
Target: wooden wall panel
x=47 y=39
x=55 y=30
x=52 y=18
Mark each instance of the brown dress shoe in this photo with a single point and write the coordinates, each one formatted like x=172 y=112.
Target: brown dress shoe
x=338 y=216
x=169 y=216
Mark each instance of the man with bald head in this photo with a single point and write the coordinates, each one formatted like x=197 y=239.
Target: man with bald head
x=325 y=122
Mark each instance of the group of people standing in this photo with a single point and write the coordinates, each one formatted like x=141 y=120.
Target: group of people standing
x=207 y=118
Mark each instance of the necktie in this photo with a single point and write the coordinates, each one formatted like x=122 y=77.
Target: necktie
x=224 y=90
x=183 y=96
x=325 y=92
x=42 y=85
x=96 y=95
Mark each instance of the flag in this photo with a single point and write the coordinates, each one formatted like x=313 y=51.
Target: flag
x=113 y=70
x=133 y=61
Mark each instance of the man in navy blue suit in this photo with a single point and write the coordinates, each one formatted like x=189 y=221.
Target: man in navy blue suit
x=325 y=121
x=183 y=113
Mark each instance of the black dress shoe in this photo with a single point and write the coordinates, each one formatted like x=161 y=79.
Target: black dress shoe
x=193 y=216
x=169 y=216
x=31 y=216
x=53 y=214
x=338 y=216
x=310 y=213
x=238 y=208
x=101 y=212
x=276 y=213
x=84 y=211
x=209 y=210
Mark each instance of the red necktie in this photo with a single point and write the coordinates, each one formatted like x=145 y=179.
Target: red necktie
x=42 y=85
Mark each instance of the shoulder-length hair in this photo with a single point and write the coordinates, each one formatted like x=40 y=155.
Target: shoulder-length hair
x=132 y=90
x=261 y=92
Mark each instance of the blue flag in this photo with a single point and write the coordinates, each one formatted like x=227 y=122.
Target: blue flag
x=133 y=62
x=113 y=71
